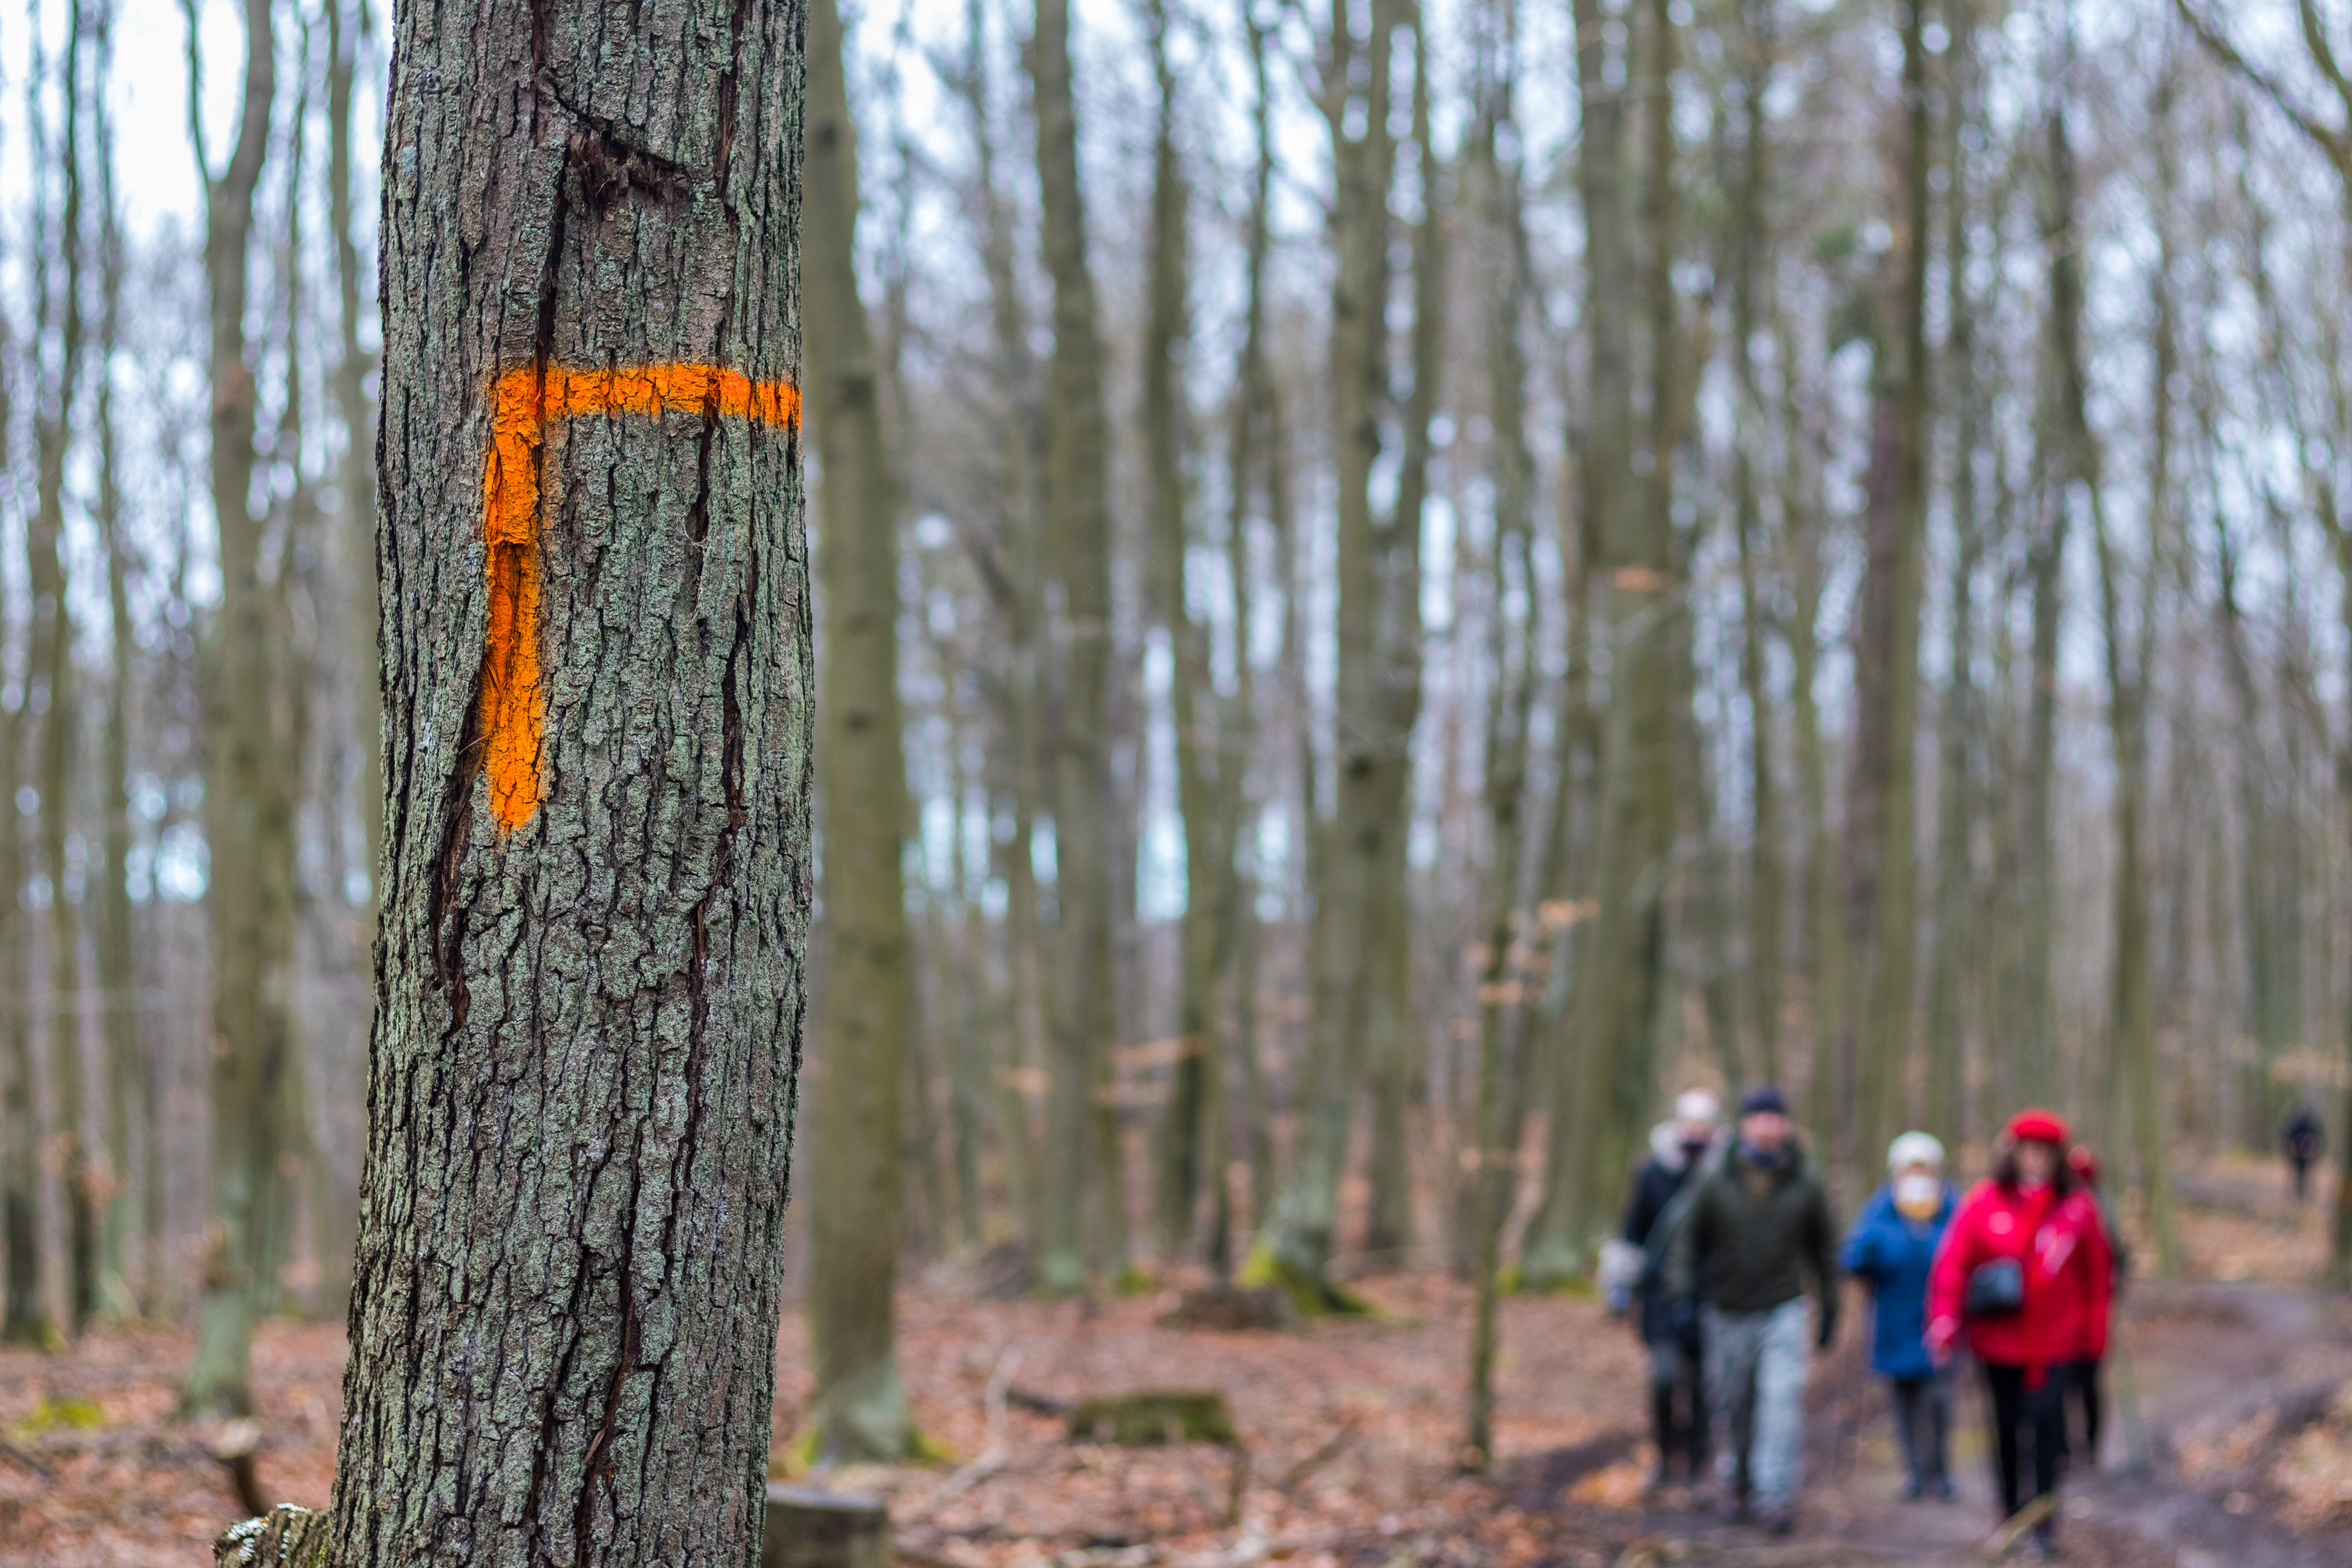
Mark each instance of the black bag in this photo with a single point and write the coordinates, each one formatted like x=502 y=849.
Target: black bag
x=1996 y=1290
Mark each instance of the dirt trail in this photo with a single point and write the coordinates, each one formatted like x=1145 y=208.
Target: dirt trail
x=2228 y=1440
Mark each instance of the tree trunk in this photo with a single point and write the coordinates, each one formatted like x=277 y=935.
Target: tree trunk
x=1502 y=978
x=24 y=1321
x=245 y=798
x=1348 y=868
x=1551 y=1253
x=1188 y=1142
x=1394 y=1029
x=50 y=664
x=1751 y=199
x=597 y=722
x=859 y=1412
x=1078 y=530
x=2133 y=1069
x=1624 y=971
x=1881 y=817
x=118 y=963
x=1954 y=940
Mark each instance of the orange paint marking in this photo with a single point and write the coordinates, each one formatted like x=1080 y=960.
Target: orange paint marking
x=523 y=404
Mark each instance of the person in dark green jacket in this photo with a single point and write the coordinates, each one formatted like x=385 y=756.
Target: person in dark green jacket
x=1756 y=1230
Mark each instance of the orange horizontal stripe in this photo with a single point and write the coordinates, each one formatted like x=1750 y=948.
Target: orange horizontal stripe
x=524 y=401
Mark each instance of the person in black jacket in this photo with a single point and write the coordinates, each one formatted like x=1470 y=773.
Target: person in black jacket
x=2304 y=1139
x=1756 y=1224
x=1632 y=1268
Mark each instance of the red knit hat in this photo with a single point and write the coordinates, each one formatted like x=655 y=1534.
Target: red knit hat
x=2039 y=1126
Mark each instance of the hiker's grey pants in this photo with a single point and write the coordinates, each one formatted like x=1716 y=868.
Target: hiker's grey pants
x=1756 y=1388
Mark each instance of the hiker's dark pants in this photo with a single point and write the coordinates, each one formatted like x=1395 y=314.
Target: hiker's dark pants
x=2302 y=1177
x=1923 y=1421
x=2083 y=1383
x=1678 y=1400
x=2036 y=1415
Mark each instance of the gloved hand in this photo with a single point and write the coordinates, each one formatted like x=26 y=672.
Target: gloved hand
x=1620 y=1299
x=1941 y=1334
x=1828 y=1335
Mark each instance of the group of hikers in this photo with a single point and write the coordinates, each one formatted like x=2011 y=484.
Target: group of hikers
x=1724 y=1230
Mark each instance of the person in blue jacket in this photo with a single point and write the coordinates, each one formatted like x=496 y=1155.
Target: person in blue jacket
x=1889 y=1250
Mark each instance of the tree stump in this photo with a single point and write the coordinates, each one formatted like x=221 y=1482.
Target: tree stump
x=287 y=1537
x=808 y=1527
x=1155 y=1415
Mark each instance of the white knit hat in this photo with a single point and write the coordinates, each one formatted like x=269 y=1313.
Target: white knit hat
x=1915 y=1149
x=1698 y=1105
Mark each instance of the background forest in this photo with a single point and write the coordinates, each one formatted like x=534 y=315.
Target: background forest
x=1399 y=581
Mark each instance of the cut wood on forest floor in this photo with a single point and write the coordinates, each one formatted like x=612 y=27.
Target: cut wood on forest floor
x=1351 y=1426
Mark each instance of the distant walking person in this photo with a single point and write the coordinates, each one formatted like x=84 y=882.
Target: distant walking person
x=1757 y=1223
x=1633 y=1269
x=2024 y=1259
x=2304 y=1139
x=1890 y=1249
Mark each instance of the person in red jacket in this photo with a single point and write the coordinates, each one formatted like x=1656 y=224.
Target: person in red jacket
x=2024 y=1258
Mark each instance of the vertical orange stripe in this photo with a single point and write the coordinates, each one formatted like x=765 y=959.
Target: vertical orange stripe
x=523 y=403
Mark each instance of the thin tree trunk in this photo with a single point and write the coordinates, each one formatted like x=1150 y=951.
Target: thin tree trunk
x=1955 y=786
x=51 y=667
x=1881 y=821
x=245 y=795
x=23 y=1322
x=1515 y=673
x=1751 y=199
x=1018 y=593
x=355 y=490
x=1079 y=529
x=1394 y=1029
x=2133 y=1067
x=1551 y=1253
x=597 y=756
x=1624 y=973
x=860 y=1410
x=1189 y=1144
x=1347 y=869
x=118 y=965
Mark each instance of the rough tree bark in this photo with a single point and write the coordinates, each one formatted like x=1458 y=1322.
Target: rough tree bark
x=859 y=1411
x=597 y=751
x=245 y=798
x=1079 y=529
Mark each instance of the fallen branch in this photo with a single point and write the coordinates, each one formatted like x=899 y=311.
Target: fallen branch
x=1043 y=1404
x=993 y=1457
x=1319 y=1458
x=2013 y=1529
x=9 y=1451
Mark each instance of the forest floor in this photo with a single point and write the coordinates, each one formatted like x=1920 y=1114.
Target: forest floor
x=2231 y=1442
